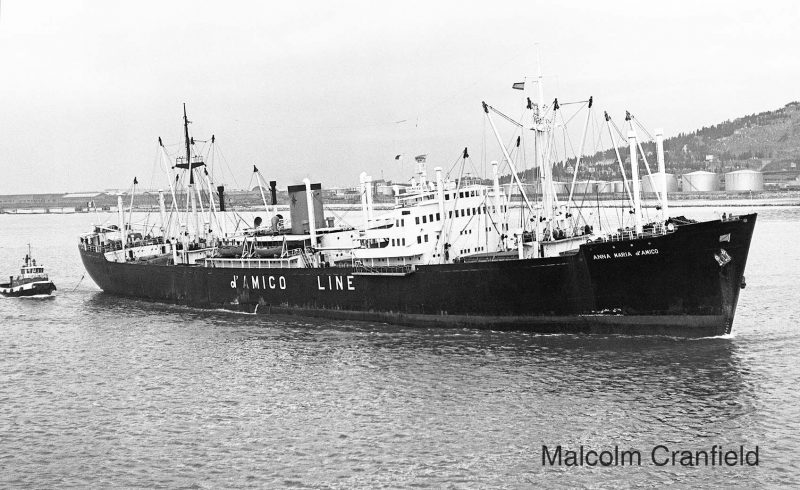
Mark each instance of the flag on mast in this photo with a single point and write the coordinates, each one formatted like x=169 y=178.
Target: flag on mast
x=518 y=86
x=397 y=157
x=421 y=158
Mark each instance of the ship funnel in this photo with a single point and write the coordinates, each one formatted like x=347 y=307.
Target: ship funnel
x=298 y=208
x=221 y=193
x=273 y=192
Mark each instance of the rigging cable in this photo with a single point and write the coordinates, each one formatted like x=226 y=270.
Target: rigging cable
x=79 y=283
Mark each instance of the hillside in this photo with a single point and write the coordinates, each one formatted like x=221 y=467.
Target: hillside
x=768 y=141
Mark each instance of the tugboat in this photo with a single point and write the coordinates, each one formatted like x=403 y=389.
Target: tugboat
x=31 y=281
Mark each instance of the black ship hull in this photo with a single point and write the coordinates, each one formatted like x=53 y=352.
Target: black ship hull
x=685 y=283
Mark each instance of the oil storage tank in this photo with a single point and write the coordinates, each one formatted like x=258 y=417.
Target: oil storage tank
x=604 y=187
x=652 y=183
x=744 y=180
x=561 y=187
x=700 y=181
x=584 y=187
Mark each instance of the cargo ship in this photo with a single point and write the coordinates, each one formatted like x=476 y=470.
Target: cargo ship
x=448 y=254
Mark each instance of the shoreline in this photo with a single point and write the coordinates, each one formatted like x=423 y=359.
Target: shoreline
x=688 y=201
x=386 y=207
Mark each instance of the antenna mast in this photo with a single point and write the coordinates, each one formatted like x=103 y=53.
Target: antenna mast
x=190 y=168
x=188 y=149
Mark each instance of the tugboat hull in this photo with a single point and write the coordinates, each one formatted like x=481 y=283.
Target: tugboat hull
x=41 y=288
x=684 y=283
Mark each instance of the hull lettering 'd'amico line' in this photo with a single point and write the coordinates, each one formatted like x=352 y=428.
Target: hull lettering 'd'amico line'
x=451 y=252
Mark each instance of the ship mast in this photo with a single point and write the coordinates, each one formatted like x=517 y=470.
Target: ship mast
x=540 y=128
x=190 y=168
x=167 y=224
x=663 y=171
x=637 y=196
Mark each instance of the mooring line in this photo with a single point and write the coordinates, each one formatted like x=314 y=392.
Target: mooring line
x=79 y=283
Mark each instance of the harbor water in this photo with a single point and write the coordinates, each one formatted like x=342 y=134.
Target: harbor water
x=102 y=391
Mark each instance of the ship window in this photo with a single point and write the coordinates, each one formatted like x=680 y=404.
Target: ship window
x=404 y=241
x=424 y=220
x=419 y=239
x=416 y=219
x=450 y=215
x=447 y=197
x=430 y=218
x=426 y=238
x=460 y=194
x=468 y=214
x=438 y=217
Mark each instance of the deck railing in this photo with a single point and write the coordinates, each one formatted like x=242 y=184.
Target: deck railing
x=394 y=270
x=283 y=263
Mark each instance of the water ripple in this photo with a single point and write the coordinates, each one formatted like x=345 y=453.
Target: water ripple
x=109 y=392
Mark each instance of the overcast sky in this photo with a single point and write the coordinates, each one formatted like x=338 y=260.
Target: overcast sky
x=317 y=89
